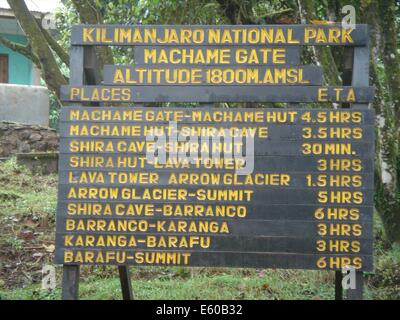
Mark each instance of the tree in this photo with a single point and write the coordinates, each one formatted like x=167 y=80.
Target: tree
x=39 y=49
x=385 y=71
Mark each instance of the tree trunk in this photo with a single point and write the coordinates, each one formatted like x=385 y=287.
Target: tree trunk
x=389 y=190
x=322 y=55
x=89 y=13
x=25 y=50
x=387 y=139
x=391 y=57
x=48 y=64
x=237 y=12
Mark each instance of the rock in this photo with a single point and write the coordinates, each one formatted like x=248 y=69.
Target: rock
x=12 y=139
x=39 y=146
x=35 y=137
x=24 y=147
x=47 y=135
x=24 y=134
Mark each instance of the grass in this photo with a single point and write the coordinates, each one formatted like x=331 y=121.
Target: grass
x=27 y=225
x=221 y=284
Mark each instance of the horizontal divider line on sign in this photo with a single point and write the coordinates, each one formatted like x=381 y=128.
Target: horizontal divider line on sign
x=65 y=168
x=248 y=230
x=359 y=151
x=364 y=173
x=210 y=202
x=288 y=254
x=136 y=64
x=210 y=65
x=261 y=226
x=291 y=47
x=243 y=248
x=284 y=140
x=255 y=245
x=193 y=124
x=239 y=220
x=281 y=205
x=200 y=86
x=211 y=188
x=265 y=170
x=211 y=109
x=64 y=182
x=250 y=253
x=365 y=218
x=362 y=156
x=71 y=164
x=220 y=219
x=179 y=202
x=223 y=236
x=258 y=142
x=258 y=157
x=231 y=251
x=240 y=247
x=113 y=67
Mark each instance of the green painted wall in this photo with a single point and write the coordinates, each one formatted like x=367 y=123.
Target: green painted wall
x=19 y=67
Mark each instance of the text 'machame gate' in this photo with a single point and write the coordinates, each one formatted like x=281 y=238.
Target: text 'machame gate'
x=307 y=200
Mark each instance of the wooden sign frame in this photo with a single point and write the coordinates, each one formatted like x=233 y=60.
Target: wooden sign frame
x=83 y=71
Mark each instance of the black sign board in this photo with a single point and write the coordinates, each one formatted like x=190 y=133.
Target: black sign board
x=276 y=188
x=305 y=203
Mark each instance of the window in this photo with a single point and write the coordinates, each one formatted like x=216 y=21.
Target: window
x=3 y=68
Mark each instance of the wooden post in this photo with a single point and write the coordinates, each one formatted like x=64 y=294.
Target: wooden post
x=348 y=58
x=360 y=77
x=357 y=292
x=338 y=285
x=70 y=282
x=125 y=280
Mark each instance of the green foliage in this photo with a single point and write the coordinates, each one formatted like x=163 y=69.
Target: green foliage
x=386 y=281
x=26 y=193
x=213 y=284
x=54 y=110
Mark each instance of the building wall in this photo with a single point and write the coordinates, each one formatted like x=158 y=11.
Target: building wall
x=22 y=100
x=19 y=67
x=24 y=104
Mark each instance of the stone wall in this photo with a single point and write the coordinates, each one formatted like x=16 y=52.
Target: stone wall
x=24 y=138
